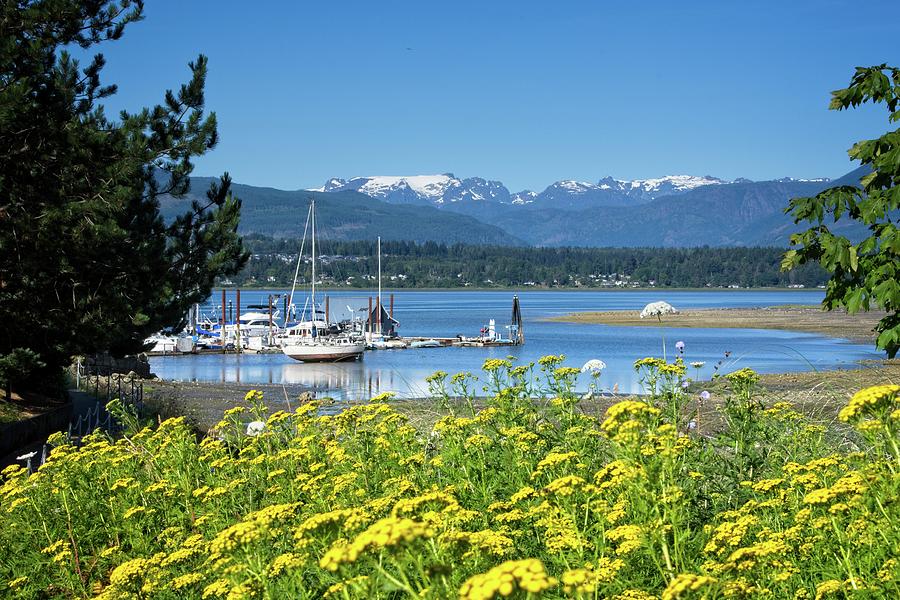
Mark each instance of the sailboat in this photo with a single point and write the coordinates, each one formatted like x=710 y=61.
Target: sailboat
x=311 y=341
x=381 y=325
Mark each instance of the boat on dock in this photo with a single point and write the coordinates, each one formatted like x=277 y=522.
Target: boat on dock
x=430 y=343
x=169 y=344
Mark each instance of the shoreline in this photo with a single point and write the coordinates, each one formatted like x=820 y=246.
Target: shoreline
x=800 y=318
x=257 y=288
x=816 y=393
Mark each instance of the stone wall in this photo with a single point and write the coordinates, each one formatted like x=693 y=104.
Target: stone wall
x=104 y=364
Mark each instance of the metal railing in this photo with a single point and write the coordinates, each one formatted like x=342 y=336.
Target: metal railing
x=104 y=388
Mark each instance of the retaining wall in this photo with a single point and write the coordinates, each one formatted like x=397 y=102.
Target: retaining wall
x=20 y=434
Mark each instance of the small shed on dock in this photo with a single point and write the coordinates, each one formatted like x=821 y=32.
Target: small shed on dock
x=388 y=325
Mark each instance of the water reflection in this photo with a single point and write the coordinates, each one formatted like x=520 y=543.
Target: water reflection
x=450 y=313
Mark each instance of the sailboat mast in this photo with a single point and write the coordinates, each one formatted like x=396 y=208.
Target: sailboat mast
x=289 y=307
x=379 y=278
x=313 y=231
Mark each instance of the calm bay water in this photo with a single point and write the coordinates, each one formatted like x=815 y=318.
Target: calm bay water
x=448 y=313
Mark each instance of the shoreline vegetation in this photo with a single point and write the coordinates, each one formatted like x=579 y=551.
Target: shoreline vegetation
x=517 y=288
x=802 y=318
x=527 y=492
x=818 y=394
x=354 y=264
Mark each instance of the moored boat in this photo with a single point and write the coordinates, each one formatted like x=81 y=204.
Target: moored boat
x=425 y=344
x=324 y=349
x=313 y=340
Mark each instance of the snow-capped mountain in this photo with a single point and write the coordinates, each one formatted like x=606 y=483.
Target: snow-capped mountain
x=476 y=189
x=447 y=190
x=523 y=197
x=435 y=189
x=650 y=189
x=813 y=180
x=570 y=194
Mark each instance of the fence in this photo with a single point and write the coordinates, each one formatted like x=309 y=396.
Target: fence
x=104 y=388
x=127 y=389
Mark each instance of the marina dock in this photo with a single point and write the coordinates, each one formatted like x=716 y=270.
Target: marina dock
x=229 y=331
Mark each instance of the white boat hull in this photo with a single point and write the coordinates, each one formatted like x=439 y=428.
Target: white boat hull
x=311 y=352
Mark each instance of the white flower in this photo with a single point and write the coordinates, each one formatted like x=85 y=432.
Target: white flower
x=655 y=309
x=254 y=428
x=594 y=366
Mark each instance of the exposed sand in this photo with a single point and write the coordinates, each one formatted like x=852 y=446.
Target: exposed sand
x=810 y=319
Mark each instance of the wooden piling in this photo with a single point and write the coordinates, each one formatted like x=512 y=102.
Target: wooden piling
x=378 y=314
x=392 y=305
x=223 y=320
x=270 y=318
x=237 y=321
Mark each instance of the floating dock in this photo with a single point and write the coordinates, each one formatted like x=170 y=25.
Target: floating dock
x=379 y=329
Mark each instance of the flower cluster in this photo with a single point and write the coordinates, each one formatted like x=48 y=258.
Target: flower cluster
x=532 y=494
x=526 y=575
x=871 y=401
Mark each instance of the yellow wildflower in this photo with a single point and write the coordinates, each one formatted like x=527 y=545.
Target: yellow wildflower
x=827 y=588
x=868 y=401
x=129 y=573
x=553 y=459
x=186 y=580
x=18 y=582
x=134 y=510
x=627 y=537
x=527 y=575
x=685 y=582
x=285 y=562
x=217 y=589
x=386 y=532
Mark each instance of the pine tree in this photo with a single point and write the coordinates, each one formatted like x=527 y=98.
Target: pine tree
x=86 y=262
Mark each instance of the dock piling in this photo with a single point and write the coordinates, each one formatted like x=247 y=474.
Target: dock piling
x=223 y=320
x=237 y=321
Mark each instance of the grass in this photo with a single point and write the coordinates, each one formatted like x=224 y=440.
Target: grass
x=10 y=412
x=27 y=405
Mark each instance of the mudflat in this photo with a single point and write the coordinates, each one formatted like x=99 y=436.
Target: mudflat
x=810 y=319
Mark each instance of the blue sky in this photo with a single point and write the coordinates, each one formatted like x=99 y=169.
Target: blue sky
x=524 y=92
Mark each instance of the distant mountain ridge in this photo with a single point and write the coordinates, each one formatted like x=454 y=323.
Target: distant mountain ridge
x=447 y=190
x=672 y=211
x=436 y=189
x=345 y=215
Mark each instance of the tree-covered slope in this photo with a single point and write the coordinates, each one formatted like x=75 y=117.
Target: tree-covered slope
x=736 y=214
x=347 y=216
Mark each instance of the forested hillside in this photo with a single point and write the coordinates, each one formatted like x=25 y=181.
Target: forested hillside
x=407 y=264
x=742 y=213
x=346 y=216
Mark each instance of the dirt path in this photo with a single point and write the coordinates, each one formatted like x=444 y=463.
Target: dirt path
x=810 y=319
x=203 y=403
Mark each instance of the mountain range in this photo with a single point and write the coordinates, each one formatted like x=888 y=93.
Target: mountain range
x=671 y=211
x=448 y=190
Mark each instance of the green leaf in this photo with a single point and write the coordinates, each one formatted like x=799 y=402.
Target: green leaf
x=854 y=301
